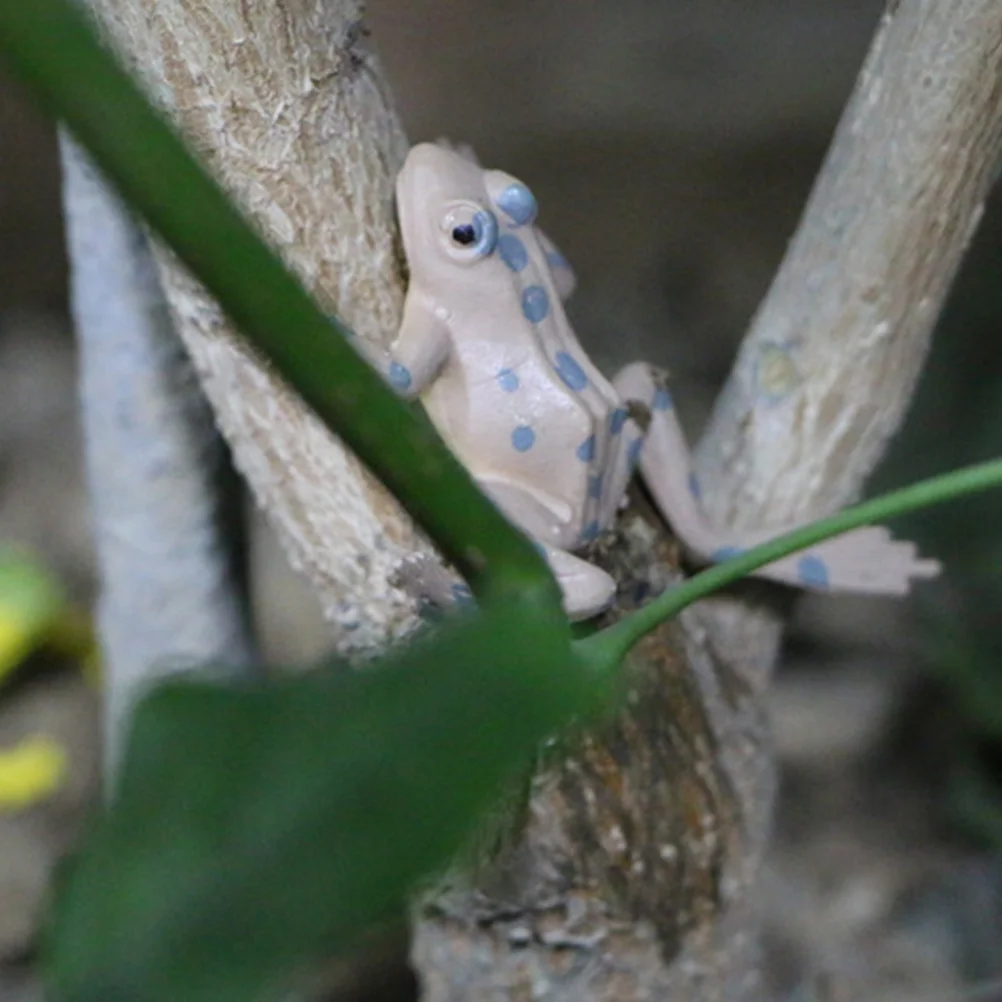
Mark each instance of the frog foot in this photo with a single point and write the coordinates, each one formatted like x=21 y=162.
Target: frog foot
x=587 y=589
x=864 y=561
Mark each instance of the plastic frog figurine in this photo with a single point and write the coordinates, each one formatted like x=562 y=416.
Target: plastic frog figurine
x=486 y=344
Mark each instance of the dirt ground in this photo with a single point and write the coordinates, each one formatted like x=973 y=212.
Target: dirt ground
x=674 y=196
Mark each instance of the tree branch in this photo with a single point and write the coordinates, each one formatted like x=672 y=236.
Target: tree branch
x=289 y=110
x=826 y=372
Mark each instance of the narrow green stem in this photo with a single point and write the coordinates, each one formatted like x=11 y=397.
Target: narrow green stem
x=52 y=47
x=607 y=648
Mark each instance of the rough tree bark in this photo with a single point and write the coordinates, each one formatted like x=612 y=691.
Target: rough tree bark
x=286 y=106
x=634 y=877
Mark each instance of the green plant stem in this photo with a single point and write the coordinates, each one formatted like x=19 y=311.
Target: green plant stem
x=53 y=48
x=607 y=648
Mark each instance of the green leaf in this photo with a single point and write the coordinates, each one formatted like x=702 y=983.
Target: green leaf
x=605 y=650
x=52 y=47
x=30 y=603
x=258 y=825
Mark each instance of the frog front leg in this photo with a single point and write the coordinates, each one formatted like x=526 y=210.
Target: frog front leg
x=417 y=354
x=421 y=346
x=866 y=560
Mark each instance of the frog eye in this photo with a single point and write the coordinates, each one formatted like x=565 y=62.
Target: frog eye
x=472 y=231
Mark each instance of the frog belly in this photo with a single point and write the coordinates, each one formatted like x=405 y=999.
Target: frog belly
x=526 y=431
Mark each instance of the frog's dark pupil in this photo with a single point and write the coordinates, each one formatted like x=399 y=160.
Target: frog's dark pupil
x=464 y=235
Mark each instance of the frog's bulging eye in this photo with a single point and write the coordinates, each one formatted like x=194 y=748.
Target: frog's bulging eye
x=472 y=231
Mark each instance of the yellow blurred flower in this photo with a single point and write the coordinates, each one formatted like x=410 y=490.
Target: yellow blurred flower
x=31 y=772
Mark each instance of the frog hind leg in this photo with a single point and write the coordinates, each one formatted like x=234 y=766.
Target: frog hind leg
x=666 y=463
x=866 y=560
x=587 y=589
x=627 y=444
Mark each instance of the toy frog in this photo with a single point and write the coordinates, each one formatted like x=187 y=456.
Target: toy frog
x=487 y=346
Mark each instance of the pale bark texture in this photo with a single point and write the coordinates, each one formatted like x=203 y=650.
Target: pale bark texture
x=634 y=877
x=285 y=105
x=827 y=370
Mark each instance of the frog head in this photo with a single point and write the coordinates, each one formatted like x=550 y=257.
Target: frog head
x=453 y=212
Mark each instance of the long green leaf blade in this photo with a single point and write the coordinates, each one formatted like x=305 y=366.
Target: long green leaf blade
x=54 y=50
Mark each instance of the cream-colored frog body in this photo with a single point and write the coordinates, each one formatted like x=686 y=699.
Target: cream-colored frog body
x=487 y=345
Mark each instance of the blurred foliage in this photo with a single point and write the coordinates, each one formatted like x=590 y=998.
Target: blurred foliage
x=33 y=612
x=31 y=772
x=31 y=603
x=260 y=825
